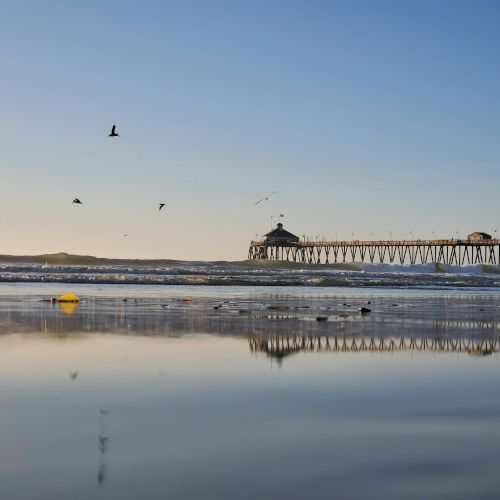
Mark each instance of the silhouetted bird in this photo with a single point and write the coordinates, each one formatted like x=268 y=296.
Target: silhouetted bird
x=113 y=132
x=77 y=201
x=265 y=198
x=161 y=205
x=73 y=375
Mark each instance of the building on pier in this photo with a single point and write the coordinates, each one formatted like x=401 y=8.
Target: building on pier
x=479 y=236
x=280 y=235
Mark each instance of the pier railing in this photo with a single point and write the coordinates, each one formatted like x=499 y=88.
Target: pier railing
x=452 y=252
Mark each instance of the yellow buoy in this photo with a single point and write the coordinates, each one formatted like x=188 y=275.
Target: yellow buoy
x=68 y=297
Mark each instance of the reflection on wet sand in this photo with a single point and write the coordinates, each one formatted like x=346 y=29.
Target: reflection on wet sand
x=68 y=308
x=103 y=442
x=476 y=316
x=281 y=346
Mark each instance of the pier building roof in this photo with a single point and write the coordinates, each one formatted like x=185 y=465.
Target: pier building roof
x=280 y=235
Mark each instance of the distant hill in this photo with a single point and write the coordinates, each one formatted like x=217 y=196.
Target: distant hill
x=67 y=259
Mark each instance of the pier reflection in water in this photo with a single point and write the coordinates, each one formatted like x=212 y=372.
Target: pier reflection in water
x=281 y=346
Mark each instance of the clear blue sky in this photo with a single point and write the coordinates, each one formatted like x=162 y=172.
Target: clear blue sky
x=367 y=116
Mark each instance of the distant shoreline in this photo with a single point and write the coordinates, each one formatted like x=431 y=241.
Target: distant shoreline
x=68 y=259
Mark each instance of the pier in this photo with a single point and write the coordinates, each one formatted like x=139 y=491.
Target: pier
x=282 y=245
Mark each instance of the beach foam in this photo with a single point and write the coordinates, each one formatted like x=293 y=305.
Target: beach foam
x=257 y=273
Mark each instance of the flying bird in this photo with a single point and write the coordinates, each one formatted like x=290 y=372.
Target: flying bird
x=77 y=201
x=161 y=205
x=282 y=215
x=113 y=132
x=265 y=198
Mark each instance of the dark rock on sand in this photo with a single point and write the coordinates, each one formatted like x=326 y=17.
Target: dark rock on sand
x=278 y=308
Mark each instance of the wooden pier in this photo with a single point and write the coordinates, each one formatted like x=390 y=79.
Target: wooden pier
x=452 y=252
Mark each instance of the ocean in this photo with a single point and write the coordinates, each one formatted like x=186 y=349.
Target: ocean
x=254 y=273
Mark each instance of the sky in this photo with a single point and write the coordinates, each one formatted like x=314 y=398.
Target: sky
x=368 y=117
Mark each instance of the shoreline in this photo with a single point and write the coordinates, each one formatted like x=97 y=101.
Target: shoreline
x=244 y=311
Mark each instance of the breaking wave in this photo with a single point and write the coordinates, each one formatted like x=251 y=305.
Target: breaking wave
x=76 y=269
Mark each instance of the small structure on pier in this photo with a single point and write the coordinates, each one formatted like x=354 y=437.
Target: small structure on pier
x=280 y=235
x=479 y=236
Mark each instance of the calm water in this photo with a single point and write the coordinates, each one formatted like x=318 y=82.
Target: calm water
x=160 y=397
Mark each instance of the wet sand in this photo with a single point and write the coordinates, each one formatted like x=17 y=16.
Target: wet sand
x=244 y=311
x=243 y=393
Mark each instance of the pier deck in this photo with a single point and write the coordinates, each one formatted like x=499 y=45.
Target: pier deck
x=452 y=252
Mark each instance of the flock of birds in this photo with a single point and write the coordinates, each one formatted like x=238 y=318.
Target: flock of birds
x=79 y=202
x=113 y=133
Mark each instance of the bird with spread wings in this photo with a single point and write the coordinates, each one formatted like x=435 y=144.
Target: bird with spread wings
x=265 y=198
x=113 y=132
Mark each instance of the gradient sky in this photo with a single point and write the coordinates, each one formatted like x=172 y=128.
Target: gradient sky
x=367 y=116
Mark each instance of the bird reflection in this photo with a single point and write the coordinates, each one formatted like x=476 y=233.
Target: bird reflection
x=101 y=473
x=103 y=443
